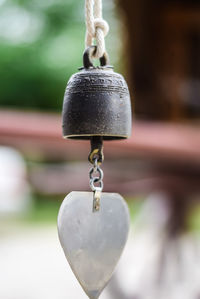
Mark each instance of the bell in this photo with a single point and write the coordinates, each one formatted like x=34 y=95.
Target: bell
x=96 y=102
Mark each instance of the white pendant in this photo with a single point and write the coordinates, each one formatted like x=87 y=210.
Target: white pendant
x=93 y=241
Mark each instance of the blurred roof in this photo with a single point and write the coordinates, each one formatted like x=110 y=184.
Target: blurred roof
x=42 y=132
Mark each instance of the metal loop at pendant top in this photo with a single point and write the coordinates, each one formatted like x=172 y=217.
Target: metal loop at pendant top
x=96 y=188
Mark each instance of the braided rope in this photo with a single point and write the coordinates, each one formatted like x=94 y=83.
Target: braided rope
x=96 y=27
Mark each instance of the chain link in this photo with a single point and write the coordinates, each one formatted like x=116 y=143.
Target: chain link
x=96 y=177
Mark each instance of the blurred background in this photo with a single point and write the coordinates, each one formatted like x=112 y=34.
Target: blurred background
x=156 y=46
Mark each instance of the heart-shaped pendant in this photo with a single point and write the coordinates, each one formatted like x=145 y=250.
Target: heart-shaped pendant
x=93 y=241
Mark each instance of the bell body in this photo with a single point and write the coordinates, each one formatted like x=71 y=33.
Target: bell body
x=97 y=103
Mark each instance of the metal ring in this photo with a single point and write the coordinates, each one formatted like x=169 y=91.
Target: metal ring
x=96 y=179
x=99 y=170
x=87 y=57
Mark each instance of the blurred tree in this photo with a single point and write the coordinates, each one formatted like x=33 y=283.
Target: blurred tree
x=41 y=45
x=37 y=39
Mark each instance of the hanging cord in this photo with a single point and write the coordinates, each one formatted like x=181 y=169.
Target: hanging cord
x=96 y=27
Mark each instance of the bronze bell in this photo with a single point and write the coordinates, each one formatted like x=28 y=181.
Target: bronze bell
x=96 y=102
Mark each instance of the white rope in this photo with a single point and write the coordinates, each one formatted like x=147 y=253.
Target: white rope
x=96 y=27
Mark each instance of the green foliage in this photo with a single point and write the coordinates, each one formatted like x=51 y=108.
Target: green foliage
x=41 y=45
x=34 y=69
x=45 y=209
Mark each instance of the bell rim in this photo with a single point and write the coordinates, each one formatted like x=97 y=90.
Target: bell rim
x=105 y=136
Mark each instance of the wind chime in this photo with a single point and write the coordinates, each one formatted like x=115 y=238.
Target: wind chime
x=93 y=226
